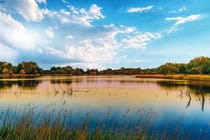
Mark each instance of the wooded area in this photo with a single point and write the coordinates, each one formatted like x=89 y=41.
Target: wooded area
x=198 y=65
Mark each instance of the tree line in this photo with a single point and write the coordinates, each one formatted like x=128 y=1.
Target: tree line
x=198 y=65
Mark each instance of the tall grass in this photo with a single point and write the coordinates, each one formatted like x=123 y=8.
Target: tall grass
x=30 y=125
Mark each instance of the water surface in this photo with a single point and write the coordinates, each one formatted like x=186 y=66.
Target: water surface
x=172 y=103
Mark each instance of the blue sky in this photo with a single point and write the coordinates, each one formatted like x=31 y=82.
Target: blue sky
x=104 y=33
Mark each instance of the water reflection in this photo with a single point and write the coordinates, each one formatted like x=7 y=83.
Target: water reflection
x=199 y=89
x=61 y=81
x=24 y=84
x=141 y=89
x=195 y=86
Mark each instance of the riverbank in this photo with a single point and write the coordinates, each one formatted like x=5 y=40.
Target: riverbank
x=19 y=75
x=199 y=77
x=176 y=76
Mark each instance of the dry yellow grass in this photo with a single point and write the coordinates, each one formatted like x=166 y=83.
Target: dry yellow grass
x=176 y=76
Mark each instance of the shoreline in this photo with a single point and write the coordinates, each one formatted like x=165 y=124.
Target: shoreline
x=19 y=76
x=199 y=77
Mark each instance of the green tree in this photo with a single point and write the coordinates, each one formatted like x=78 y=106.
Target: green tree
x=198 y=65
x=28 y=67
x=78 y=71
x=182 y=68
x=168 y=68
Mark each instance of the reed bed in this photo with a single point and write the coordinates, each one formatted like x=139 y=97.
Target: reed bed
x=29 y=124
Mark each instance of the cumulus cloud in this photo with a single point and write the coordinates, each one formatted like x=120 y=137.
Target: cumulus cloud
x=139 y=9
x=102 y=46
x=28 y=9
x=67 y=35
x=88 y=65
x=14 y=34
x=95 y=48
x=78 y=16
x=139 y=40
x=125 y=29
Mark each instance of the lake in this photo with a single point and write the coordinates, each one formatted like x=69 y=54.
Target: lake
x=161 y=105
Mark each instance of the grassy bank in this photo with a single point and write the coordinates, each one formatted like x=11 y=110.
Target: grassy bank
x=175 y=76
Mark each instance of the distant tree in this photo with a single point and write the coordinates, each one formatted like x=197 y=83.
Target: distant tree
x=168 y=68
x=5 y=68
x=206 y=67
x=106 y=71
x=5 y=71
x=1 y=67
x=199 y=65
x=78 y=71
x=28 y=67
x=182 y=68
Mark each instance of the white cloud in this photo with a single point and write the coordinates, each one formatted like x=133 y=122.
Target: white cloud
x=160 y=8
x=49 y=32
x=139 y=40
x=78 y=16
x=101 y=48
x=28 y=9
x=172 y=29
x=70 y=34
x=125 y=29
x=182 y=20
x=182 y=9
x=14 y=34
x=94 y=50
x=6 y=53
x=54 y=51
x=88 y=65
x=139 y=9
x=69 y=37
x=65 y=1
x=42 y=1
x=95 y=12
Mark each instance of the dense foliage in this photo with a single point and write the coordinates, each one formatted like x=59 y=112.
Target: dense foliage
x=198 y=65
x=22 y=68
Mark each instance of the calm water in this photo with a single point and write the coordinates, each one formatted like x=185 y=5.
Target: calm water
x=124 y=99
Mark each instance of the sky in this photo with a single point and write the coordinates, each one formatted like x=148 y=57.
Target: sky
x=104 y=33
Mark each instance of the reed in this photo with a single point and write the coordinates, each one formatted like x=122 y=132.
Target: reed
x=29 y=124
